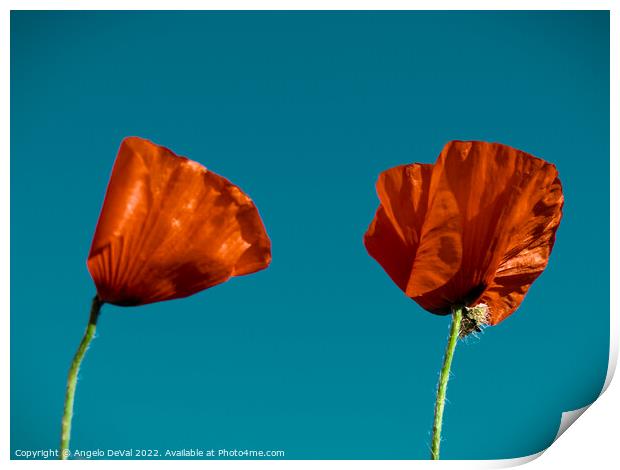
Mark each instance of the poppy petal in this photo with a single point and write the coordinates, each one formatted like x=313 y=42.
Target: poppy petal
x=491 y=184
x=528 y=246
x=169 y=228
x=403 y=192
x=481 y=231
x=440 y=252
x=386 y=246
x=393 y=236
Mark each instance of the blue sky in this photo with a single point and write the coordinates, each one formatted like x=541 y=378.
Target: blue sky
x=320 y=355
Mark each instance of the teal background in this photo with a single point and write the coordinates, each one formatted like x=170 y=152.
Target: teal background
x=321 y=355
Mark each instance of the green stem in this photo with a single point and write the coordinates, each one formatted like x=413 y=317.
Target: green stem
x=444 y=375
x=72 y=379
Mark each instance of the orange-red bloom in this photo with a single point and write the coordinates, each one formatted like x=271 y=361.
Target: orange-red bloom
x=170 y=228
x=476 y=227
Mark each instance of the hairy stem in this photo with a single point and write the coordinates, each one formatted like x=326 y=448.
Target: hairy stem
x=444 y=375
x=73 y=374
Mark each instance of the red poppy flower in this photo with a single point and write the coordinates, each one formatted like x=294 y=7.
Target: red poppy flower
x=477 y=227
x=170 y=228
